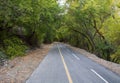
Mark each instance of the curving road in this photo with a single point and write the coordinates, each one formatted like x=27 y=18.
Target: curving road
x=63 y=65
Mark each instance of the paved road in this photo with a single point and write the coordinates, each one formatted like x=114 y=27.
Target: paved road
x=63 y=65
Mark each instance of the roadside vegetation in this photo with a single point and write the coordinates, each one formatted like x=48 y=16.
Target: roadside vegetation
x=93 y=25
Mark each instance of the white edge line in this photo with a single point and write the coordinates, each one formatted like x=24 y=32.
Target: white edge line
x=76 y=56
x=99 y=76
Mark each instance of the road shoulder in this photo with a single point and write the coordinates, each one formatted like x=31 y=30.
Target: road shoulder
x=110 y=65
x=20 y=68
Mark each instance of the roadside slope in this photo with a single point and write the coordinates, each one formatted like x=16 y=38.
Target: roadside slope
x=110 y=65
x=20 y=68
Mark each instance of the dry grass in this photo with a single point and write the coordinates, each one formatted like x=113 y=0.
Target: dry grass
x=110 y=65
x=20 y=68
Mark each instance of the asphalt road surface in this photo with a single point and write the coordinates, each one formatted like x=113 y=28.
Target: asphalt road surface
x=63 y=65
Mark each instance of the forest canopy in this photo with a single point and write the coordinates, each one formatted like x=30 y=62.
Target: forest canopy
x=93 y=25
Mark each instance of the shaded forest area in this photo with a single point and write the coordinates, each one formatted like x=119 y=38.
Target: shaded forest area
x=93 y=25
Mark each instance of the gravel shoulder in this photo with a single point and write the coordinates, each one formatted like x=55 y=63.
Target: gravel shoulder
x=110 y=65
x=19 y=69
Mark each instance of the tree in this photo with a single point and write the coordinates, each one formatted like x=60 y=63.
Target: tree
x=29 y=22
x=85 y=19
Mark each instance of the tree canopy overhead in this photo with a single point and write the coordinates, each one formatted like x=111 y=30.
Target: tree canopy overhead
x=89 y=24
x=92 y=25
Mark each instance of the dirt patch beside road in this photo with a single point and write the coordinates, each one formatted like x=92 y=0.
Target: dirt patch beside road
x=20 y=68
x=110 y=65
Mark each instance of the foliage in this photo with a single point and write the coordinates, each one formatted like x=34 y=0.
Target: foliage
x=27 y=23
x=116 y=56
x=92 y=25
x=14 y=47
x=111 y=31
x=89 y=24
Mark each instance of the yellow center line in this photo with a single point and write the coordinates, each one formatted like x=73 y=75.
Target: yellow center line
x=65 y=66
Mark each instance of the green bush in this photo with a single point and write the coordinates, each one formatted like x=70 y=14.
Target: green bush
x=116 y=56
x=14 y=47
x=37 y=39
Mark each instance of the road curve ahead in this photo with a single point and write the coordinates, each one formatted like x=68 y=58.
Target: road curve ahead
x=63 y=65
